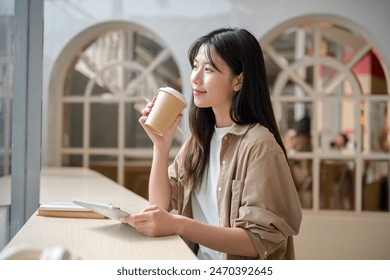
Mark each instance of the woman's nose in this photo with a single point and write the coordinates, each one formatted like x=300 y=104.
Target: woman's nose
x=195 y=76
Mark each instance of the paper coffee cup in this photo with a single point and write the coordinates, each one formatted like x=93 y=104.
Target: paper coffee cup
x=168 y=105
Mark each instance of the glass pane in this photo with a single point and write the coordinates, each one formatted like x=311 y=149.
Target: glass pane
x=99 y=89
x=137 y=82
x=104 y=125
x=5 y=164
x=104 y=164
x=334 y=86
x=272 y=70
x=284 y=45
x=137 y=176
x=295 y=125
x=293 y=89
x=376 y=185
x=370 y=74
x=73 y=125
x=168 y=73
x=337 y=184
x=301 y=170
x=336 y=125
x=145 y=44
x=72 y=160
x=76 y=83
x=377 y=136
x=327 y=74
x=136 y=136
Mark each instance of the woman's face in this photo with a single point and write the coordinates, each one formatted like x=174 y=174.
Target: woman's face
x=211 y=87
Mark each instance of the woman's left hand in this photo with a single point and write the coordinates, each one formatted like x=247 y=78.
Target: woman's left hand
x=153 y=221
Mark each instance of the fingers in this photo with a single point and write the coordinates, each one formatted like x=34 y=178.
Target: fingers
x=150 y=221
x=159 y=140
x=146 y=111
x=125 y=220
x=150 y=208
x=144 y=215
x=177 y=121
x=133 y=219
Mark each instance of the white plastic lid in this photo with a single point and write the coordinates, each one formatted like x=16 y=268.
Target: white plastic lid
x=175 y=93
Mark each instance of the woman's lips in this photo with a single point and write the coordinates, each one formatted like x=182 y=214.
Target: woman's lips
x=198 y=92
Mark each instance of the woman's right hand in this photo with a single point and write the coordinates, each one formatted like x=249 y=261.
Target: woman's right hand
x=158 y=140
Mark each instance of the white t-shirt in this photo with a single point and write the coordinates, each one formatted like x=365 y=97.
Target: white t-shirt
x=204 y=198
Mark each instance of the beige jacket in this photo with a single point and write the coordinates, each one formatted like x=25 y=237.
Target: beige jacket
x=255 y=191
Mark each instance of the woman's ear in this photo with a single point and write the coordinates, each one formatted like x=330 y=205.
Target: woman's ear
x=238 y=82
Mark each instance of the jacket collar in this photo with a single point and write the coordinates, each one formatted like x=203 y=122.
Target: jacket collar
x=238 y=129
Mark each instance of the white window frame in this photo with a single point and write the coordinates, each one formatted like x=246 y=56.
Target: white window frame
x=317 y=94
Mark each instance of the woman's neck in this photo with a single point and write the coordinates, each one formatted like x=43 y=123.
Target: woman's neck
x=223 y=122
x=222 y=119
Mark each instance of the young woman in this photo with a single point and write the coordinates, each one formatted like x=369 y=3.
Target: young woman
x=230 y=183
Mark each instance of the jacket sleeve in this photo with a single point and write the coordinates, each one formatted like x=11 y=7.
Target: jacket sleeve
x=269 y=209
x=175 y=176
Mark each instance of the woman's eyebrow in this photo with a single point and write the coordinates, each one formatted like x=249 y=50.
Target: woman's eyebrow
x=207 y=62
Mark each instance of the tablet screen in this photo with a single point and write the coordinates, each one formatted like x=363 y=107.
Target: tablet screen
x=106 y=209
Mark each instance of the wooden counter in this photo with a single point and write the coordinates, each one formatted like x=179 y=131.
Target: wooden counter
x=94 y=238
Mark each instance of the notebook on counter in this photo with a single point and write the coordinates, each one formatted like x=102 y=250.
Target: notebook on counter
x=67 y=209
x=81 y=209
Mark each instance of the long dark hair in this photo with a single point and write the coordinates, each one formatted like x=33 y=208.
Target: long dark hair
x=252 y=104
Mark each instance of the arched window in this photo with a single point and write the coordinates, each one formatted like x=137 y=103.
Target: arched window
x=330 y=91
x=113 y=71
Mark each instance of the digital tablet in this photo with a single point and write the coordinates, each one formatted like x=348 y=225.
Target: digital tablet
x=105 y=209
